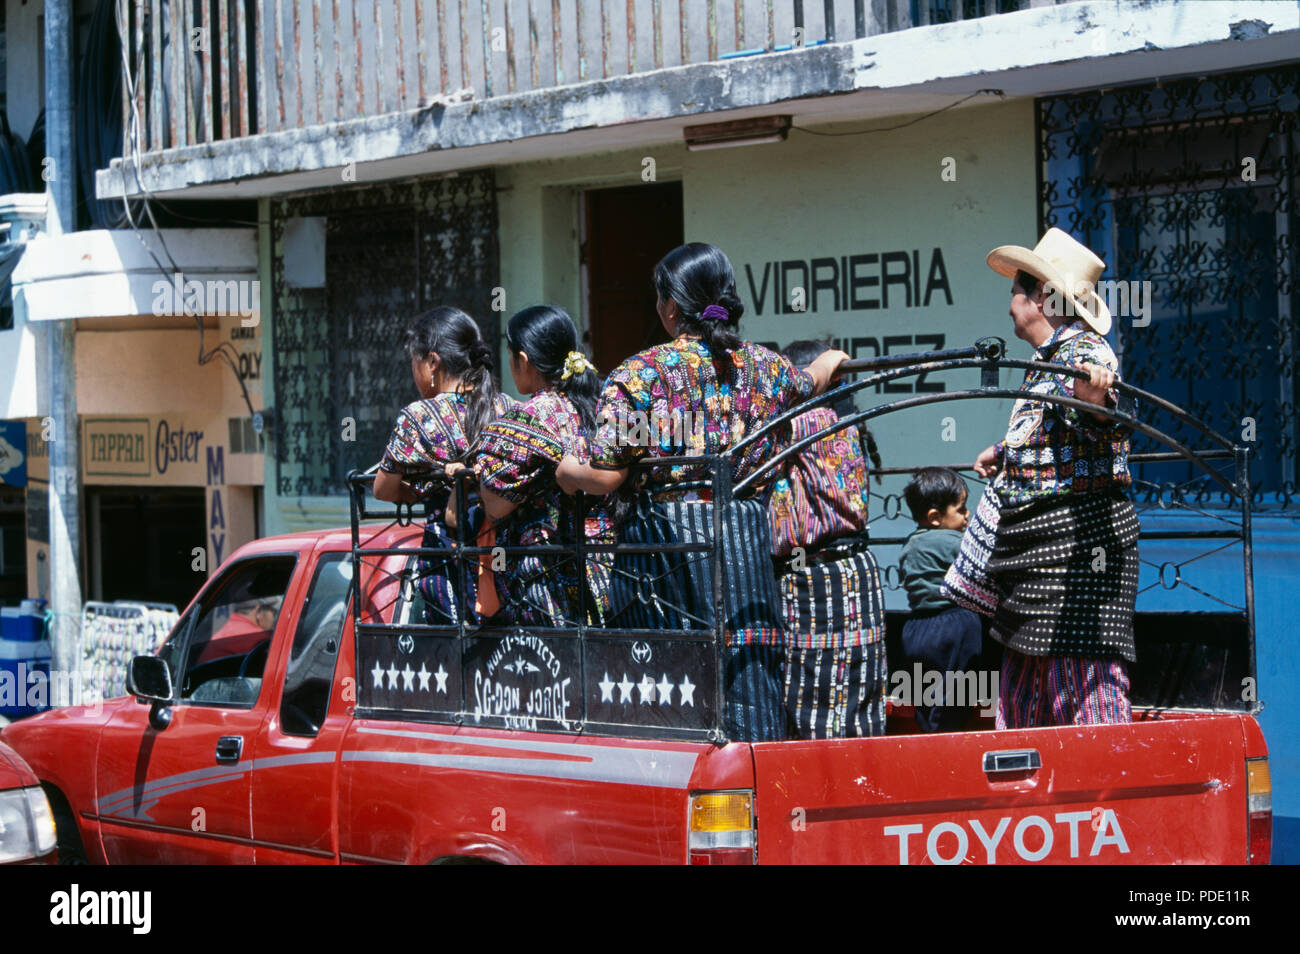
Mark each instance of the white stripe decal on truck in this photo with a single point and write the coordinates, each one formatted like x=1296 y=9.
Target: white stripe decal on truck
x=654 y=768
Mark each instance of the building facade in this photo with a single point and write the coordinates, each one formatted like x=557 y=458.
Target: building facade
x=500 y=155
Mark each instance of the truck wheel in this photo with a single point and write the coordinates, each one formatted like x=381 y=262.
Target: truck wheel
x=67 y=834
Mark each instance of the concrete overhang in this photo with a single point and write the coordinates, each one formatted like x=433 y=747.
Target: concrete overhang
x=104 y=273
x=1055 y=49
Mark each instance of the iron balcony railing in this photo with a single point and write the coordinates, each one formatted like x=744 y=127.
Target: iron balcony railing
x=203 y=70
x=1188 y=658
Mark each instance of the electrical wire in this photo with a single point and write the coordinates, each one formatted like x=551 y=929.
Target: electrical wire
x=131 y=151
x=910 y=122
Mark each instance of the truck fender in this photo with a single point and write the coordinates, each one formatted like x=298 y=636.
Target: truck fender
x=71 y=845
x=471 y=849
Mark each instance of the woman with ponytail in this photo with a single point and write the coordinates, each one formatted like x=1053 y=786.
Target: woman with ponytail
x=700 y=393
x=452 y=368
x=516 y=463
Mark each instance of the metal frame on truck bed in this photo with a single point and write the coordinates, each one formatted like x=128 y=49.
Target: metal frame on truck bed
x=668 y=683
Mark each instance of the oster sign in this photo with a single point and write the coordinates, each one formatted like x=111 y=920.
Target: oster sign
x=169 y=450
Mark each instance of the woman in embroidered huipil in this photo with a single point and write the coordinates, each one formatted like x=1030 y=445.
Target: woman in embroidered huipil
x=835 y=671
x=452 y=368
x=700 y=393
x=516 y=462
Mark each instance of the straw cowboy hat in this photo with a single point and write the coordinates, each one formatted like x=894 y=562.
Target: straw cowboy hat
x=1069 y=268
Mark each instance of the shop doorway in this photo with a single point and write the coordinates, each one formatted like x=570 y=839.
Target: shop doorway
x=626 y=231
x=141 y=542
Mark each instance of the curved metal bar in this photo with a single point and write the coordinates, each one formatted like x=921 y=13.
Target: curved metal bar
x=958 y=363
x=921 y=400
x=830 y=397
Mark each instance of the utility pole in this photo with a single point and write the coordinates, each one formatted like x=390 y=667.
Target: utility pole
x=65 y=475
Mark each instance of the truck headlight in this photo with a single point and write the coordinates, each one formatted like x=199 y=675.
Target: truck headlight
x=26 y=825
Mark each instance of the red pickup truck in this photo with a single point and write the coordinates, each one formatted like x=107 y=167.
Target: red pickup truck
x=300 y=712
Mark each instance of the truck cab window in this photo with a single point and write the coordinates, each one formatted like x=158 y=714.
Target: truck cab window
x=315 y=649
x=227 y=647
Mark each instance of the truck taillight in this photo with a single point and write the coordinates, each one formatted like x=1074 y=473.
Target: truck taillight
x=722 y=829
x=1259 y=808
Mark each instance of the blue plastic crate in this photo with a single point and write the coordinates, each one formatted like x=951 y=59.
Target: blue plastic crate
x=19 y=660
x=20 y=626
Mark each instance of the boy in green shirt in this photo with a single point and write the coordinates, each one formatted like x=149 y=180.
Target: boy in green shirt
x=940 y=636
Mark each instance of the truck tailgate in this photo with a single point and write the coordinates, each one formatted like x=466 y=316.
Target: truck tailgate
x=1150 y=792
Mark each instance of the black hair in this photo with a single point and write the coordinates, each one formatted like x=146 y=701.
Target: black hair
x=1027 y=281
x=547 y=335
x=804 y=352
x=454 y=337
x=936 y=488
x=695 y=276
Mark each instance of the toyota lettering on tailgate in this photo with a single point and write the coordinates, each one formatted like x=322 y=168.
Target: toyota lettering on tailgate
x=1032 y=838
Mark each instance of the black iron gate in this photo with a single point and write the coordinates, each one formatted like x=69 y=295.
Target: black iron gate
x=341 y=373
x=1189 y=186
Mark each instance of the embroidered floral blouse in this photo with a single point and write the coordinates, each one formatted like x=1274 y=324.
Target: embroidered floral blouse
x=1051 y=449
x=671 y=400
x=428 y=435
x=518 y=454
x=823 y=493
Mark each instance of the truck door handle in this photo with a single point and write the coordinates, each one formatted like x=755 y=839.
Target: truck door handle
x=229 y=748
x=1012 y=760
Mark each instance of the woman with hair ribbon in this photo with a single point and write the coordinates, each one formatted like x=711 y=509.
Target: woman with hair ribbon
x=701 y=393
x=516 y=462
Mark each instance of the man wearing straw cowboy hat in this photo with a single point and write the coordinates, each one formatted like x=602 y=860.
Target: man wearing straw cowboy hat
x=1051 y=553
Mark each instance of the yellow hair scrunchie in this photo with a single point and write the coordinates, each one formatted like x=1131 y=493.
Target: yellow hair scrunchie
x=576 y=363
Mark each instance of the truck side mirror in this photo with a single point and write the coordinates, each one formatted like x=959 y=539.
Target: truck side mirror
x=149 y=678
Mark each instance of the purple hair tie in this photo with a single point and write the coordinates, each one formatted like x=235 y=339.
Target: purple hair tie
x=716 y=313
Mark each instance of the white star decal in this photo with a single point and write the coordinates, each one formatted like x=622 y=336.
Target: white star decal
x=625 y=689
x=378 y=674
x=408 y=677
x=392 y=675
x=607 y=689
x=424 y=675
x=647 y=687
x=665 y=691
x=688 y=692
x=441 y=675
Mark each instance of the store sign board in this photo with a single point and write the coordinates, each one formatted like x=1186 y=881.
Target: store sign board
x=168 y=450
x=116 y=447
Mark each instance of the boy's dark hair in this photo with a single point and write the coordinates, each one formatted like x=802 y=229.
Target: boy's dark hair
x=936 y=488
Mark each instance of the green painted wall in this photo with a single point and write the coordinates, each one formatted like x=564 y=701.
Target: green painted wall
x=817 y=197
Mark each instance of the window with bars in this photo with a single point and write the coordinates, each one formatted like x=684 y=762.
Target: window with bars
x=1189 y=186
x=341 y=371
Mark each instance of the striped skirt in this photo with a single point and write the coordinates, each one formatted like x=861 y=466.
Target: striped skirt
x=834 y=604
x=674 y=591
x=1061 y=690
x=836 y=693
x=835 y=667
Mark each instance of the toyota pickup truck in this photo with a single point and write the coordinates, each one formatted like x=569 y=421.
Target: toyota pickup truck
x=305 y=709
